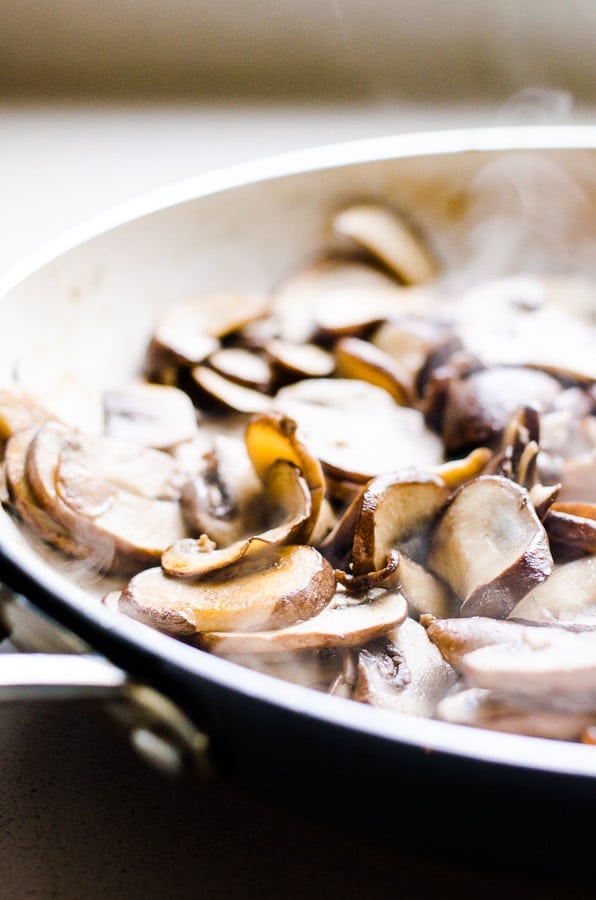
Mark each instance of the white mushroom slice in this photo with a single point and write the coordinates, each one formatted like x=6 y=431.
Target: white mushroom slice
x=287 y=502
x=566 y=598
x=222 y=499
x=360 y=359
x=396 y=511
x=386 y=235
x=339 y=625
x=300 y=360
x=117 y=530
x=242 y=366
x=229 y=393
x=417 y=680
x=153 y=415
x=550 y=664
x=274 y=589
x=490 y=546
x=333 y=295
x=425 y=594
x=356 y=429
x=530 y=320
x=190 y=331
x=478 y=407
x=486 y=709
x=19 y=411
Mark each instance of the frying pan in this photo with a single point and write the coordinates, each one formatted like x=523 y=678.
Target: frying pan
x=76 y=320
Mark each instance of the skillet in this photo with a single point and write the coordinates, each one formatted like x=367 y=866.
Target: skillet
x=77 y=318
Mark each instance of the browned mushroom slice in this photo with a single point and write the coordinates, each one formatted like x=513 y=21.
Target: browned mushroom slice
x=567 y=597
x=498 y=712
x=456 y=472
x=273 y=436
x=418 y=345
x=273 y=589
x=388 y=237
x=117 y=529
x=356 y=429
x=242 y=366
x=222 y=499
x=18 y=411
x=478 y=407
x=542 y=497
x=362 y=360
x=405 y=673
x=571 y=529
x=340 y=624
x=190 y=331
x=396 y=510
x=550 y=664
x=154 y=415
x=300 y=360
x=23 y=501
x=332 y=295
x=287 y=501
x=455 y=637
x=490 y=546
x=229 y=394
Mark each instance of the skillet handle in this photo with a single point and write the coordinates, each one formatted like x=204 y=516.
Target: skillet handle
x=158 y=730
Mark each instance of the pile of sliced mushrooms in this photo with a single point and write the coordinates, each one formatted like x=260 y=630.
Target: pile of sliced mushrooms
x=364 y=482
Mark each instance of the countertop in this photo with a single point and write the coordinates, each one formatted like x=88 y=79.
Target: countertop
x=81 y=817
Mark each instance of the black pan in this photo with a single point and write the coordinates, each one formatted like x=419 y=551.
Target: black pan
x=78 y=318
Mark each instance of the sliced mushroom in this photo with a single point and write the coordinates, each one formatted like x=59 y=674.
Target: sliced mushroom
x=356 y=429
x=456 y=472
x=455 y=637
x=550 y=664
x=578 y=478
x=490 y=546
x=287 y=501
x=313 y=669
x=19 y=411
x=273 y=436
x=571 y=529
x=396 y=510
x=222 y=499
x=117 y=529
x=214 y=388
x=567 y=597
x=334 y=296
x=360 y=359
x=273 y=589
x=406 y=673
x=242 y=366
x=425 y=594
x=154 y=415
x=190 y=331
x=386 y=235
x=419 y=345
x=498 y=712
x=340 y=624
x=23 y=501
x=478 y=407
x=300 y=360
